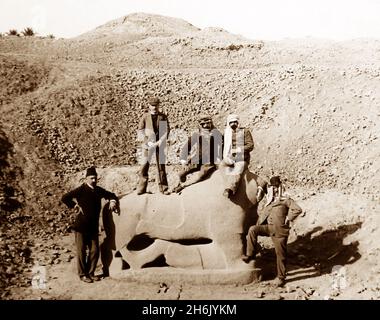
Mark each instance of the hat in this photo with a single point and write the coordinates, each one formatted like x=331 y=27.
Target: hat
x=91 y=172
x=232 y=117
x=204 y=117
x=153 y=101
x=275 y=181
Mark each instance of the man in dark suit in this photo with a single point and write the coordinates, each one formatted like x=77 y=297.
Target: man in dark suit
x=153 y=132
x=87 y=201
x=278 y=212
x=201 y=153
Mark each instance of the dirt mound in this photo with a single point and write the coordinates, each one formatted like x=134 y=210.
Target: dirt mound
x=140 y=26
x=143 y=40
x=68 y=104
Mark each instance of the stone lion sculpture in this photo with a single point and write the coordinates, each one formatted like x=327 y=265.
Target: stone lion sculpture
x=198 y=229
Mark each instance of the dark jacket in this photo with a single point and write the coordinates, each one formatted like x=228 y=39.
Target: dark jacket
x=154 y=127
x=89 y=200
x=202 y=148
x=275 y=213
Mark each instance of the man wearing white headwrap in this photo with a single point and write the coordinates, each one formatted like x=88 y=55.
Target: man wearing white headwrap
x=278 y=212
x=238 y=143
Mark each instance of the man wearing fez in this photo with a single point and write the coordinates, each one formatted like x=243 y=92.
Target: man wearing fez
x=279 y=211
x=86 y=199
x=202 y=151
x=153 y=132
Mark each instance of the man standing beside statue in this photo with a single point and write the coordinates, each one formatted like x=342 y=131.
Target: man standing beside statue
x=86 y=199
x=278 y=213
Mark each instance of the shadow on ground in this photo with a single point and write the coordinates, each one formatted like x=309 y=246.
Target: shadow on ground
x=313 y=254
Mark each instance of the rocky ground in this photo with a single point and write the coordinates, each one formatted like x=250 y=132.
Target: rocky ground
x=313 y=108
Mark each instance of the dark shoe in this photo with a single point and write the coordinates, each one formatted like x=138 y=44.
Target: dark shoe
x=166 y=192
x=178 y=189
x=247 y=259
x=96 y=278
x=86 y=279
x=227 y=193
x=142 y=185
x=278 y=283
x=258 y=248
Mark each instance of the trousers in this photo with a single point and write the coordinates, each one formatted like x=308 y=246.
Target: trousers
x=204 y=171
x=279 y=246
x=144 y=170
x=86 y=264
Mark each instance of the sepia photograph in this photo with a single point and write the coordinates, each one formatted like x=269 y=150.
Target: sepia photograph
x=215 y=151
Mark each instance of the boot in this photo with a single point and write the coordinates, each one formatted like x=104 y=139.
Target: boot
x=164 y=189
x=143 y=183
x=178 y=188
x=182 y=177
x=278 y=283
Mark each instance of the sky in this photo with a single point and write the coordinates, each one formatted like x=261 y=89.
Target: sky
x=254 y=19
